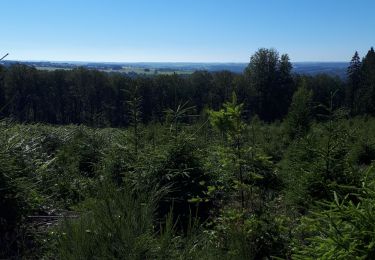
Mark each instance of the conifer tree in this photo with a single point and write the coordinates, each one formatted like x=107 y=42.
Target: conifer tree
x=354 y=81
x=367 y=95
x=228 y=120
x=299 y=117
x=134 y=104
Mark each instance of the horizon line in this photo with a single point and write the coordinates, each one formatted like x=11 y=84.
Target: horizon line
x=179 y=62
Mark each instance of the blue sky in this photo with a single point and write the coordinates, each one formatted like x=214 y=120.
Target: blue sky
x=185 y=30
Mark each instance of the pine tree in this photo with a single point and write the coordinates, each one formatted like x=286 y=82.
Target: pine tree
x=284 y=92
x=367 y=95
x=354 y=81
x=228 y=120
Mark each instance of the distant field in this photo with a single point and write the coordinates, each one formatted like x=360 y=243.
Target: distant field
x=129 y=70
x=51 y=68
x=151 y=71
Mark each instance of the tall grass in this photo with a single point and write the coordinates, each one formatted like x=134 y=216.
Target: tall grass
x=119 y=224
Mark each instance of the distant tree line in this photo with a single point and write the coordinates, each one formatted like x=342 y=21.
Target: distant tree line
x=94 y=98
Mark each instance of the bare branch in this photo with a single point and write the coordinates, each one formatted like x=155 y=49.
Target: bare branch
x=4 y=56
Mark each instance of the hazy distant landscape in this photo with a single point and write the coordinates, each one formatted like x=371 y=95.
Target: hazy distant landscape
x=154 y=68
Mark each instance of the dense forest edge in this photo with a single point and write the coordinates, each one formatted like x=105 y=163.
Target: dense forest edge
x=264 y=164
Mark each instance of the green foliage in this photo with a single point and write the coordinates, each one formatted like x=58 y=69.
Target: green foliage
x=228 y=120
x=118 y=225
x=249 y=236
x=270 y=78
x=317 y=164
x=75 y=166
x=299 y=118
x=118 y=161
x=135 y=116
x=182 y=172
x=94 y=98
x=343 y=229
x=50 y=169
x=19 y=194
x=354 y=81
x=13 y=205
x=242 y=166
x=174 y=117
x=366 y=92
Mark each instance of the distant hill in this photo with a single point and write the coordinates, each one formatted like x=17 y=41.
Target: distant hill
x=313 y=68
x=149 y=68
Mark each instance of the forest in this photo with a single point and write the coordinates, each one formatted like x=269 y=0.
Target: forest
x=264 y=164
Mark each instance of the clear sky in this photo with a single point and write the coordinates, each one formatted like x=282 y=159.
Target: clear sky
x=185 y=30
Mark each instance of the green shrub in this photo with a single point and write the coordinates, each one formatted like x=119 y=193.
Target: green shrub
x=240 y=235
x=182 y=172
x=318 y=164
x=82 y=152
x=18 y=197
x=343 y=229
x=118 y=162
x=75 y=166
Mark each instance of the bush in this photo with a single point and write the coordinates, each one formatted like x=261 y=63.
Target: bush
x=183 y=174
x=317 y=164
x=240 y=235
x=82 y=152
x=118 y=162
x=75 y=166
